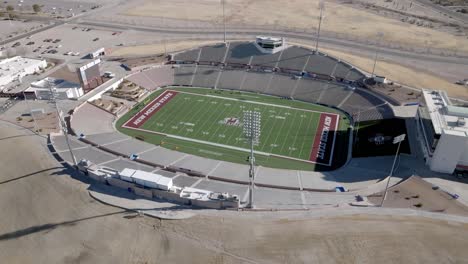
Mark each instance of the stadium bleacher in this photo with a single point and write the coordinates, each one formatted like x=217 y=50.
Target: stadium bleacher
x=215 y=53
x=231 y=79
x=281 y=85
x=205 y=76
x=241 y=52
x=321 y=64
x=183 y=75
x=190 y=55
x=309 y=90
x=256 y=81
x=334 y=95
x=294 y=58
x=235 y=74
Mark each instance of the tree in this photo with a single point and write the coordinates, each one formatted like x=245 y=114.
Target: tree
x=36 y=8
x=10 y=8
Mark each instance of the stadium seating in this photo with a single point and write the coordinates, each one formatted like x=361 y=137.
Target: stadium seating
x=231 y=79
x=256 y=81
x=236 y=75
x=191 y=55
x=309 y=90
x=281 y=85
x=241 y=52
x=205 y=76
x=213 y=53
x=183 y=75
x=294 y=58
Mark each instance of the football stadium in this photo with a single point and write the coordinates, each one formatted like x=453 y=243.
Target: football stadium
x=209 y=122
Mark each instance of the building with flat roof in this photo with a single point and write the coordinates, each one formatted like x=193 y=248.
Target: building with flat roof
x=63 y=89
x=443 y=132
x=15 y=68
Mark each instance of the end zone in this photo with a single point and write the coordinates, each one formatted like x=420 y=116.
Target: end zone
x=149 y=110
x=324 y=142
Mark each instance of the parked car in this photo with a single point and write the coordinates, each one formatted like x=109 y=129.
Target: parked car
x=30 y=43
x=16 y=44
x=96 y=39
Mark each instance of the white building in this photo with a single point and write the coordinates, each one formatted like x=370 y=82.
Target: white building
x=444 y=132
x=270 y=45
x=17 y=67
x=147 y=179
x=63 y=89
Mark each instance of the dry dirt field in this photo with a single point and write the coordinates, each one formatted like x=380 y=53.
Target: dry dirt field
x=404 y=75
x=48 y=217
x=339 y=18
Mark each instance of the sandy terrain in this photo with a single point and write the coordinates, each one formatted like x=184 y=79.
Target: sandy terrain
x=415 y=193
x=157 y=48
x=340 y=18
x=404 y=75
x=48 y=217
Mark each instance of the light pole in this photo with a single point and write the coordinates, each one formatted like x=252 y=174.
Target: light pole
x=321 y=6
x=377 y=50
x=396 y=140
x=224 y=19
x=62 y=124
x=251 y=129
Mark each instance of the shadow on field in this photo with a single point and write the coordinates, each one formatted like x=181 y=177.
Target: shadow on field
x=28 y=175
x=50 y=227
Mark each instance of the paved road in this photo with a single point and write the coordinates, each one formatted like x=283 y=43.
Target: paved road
x=201 y=33
x=463 y=19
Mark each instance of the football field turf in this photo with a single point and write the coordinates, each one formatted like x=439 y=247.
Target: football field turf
x=212 y=119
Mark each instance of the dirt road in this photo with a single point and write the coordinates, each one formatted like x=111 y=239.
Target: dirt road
x=48 y=217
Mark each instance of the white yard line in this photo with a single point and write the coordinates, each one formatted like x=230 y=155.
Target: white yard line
x=287 y=133
x=254 y=102
x=295 y=138
x=308 y=127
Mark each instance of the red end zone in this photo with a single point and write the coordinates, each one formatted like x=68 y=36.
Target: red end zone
x=143 y=115
x=322 y=149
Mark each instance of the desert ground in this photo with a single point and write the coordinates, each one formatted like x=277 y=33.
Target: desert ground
x=48 y=217
x=401 y=24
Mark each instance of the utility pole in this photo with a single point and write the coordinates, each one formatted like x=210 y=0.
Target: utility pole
x=377 y=50
x=224 y=20
x=251 y=129
x=396 y=140
x=321 y=6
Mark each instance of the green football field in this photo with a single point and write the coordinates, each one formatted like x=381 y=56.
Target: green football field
x=213 y=120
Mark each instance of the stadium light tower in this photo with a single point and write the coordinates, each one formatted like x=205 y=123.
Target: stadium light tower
x=396 y=140
x=377 y=50
x=62 y=124
x=321 y=7
x=251 y=129
x=223 y=2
